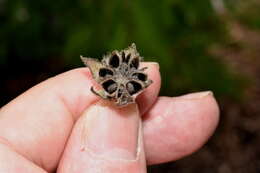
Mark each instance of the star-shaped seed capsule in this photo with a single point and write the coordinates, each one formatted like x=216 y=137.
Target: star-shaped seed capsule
x=119 y=75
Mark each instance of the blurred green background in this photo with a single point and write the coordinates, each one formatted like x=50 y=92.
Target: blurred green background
x=200 y=45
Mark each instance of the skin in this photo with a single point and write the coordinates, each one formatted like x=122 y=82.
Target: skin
x=60 y=125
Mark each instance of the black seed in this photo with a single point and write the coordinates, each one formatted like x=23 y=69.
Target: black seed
x=103 y=72
x=133 y=87
x=125 y=99
x=140 y=76
x=120 y=91
x=134 y=63
x=114 y=61
x=123 y=56
x=127 y=58
x=110 y=86
x=130 y=88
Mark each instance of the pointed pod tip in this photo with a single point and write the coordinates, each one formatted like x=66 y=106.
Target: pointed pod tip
x=83 y=58
x=133 y=45
x=87 y=61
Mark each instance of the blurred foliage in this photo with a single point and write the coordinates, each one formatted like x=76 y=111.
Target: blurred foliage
x=247 y=12
x=176 y=33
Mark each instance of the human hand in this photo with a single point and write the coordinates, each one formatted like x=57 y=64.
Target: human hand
x=60 y=124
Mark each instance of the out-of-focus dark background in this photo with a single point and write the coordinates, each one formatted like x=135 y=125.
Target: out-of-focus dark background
x=200 y=45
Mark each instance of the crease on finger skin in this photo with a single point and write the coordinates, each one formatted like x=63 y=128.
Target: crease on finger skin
x=67 y=108
x=5 y=142
x=12 y=161
x=95 y=156
x=80 y=100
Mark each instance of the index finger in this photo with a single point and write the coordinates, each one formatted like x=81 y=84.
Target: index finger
x=44 y=115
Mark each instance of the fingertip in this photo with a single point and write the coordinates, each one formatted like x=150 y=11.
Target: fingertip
x=181 y=124
x=105 y=139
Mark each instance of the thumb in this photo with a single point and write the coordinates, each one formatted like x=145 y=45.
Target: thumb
x=105 y=139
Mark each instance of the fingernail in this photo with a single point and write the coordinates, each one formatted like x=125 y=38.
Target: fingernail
x=156 y=64
x=197 y=95
x=111 y=132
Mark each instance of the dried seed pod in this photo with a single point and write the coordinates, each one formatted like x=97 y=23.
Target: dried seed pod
x=119 y=75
